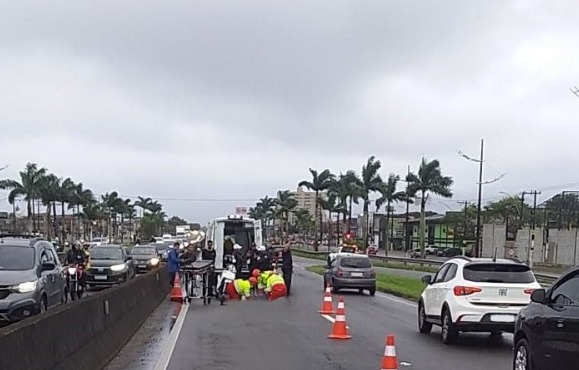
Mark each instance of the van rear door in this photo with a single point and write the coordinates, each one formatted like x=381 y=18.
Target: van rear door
x=258 y=232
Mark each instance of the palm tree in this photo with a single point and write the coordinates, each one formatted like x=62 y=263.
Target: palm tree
x=48 y=191
x=320 y=182
x=389 y=195
x=428 y=180
x=28 y=186
x=304 y=221
x=143 y=203
x=352 y=186
x=370 y=182
x=286 y=203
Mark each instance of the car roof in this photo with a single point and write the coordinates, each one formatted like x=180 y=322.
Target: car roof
x=473 y=260
x=348 y=255
x=20 y=240
x=110 y=246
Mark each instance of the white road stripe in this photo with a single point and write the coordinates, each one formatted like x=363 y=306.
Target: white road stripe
x=332 y=320
x=396 y=299
x=165 y=357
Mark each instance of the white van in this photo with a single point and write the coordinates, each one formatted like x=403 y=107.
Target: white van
x=243 y=230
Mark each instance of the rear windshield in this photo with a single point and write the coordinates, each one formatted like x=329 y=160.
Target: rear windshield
x=348 y=250
x=498 y=273
x=360 y=263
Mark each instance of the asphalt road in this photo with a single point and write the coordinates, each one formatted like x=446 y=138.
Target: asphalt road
x=290 y=334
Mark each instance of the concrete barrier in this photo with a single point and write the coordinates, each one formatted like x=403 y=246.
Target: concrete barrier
x=85 y=334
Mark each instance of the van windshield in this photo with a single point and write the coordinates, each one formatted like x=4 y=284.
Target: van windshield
x=16 y=258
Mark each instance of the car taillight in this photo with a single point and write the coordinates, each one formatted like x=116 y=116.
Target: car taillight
x=340 y=272
x=371 y=274
x=529 y=291
x=466 y=290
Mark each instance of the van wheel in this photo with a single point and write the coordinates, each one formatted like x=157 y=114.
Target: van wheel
x=43 y=305
x=449 y=330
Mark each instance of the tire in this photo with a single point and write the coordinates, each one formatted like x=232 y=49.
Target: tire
x=43 y=304
x=361 y=291
x=335 y=289
x=325 y=284
x=73 y=295
x=449 y=330
x=372 y=292
x=424 y=326
x=521 y=357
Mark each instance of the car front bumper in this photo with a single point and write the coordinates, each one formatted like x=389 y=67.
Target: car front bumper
x=18 y=306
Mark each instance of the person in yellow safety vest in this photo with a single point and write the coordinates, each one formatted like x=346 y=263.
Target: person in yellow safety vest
x=275 y=287
x=262 y=279
x=240 y=289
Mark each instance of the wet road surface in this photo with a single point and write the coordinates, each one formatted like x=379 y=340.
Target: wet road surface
x=290 y=334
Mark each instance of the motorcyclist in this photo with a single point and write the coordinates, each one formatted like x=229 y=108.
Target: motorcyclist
x=75 y=256
x=240 y=288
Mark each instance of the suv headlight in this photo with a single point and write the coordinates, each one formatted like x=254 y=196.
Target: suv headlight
x=120 y=267
x=154 y=261
x=27 y=287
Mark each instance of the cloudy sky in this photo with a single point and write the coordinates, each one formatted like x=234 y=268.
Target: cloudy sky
x=218 y=103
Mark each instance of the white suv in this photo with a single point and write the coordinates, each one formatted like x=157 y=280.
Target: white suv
x=475 y=294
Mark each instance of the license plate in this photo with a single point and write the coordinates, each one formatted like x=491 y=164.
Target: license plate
x=503 y=318
x=100 y=277
x=142 y=266
x=357 y=274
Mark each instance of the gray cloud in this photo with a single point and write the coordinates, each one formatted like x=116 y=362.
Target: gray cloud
x=237 y=99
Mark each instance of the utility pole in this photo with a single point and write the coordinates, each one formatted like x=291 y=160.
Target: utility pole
x=407 y=240
x=534 y=193
x=478 y=209
x=464 y=222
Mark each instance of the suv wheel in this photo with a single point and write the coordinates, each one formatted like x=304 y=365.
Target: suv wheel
x=423 y=326
x=449 y=331
x=522 y=359
x=373 y=292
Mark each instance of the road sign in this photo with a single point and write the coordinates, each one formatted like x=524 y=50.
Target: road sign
x=241 y=210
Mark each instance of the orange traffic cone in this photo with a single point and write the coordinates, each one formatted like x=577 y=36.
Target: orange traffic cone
x=176 y=292
x=390 y=362
x=327 y=304
x=340 y=329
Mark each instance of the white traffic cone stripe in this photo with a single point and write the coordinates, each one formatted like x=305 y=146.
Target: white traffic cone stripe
x=340 y=318
x=341 y=305
x=327 y=299
x=390 y=351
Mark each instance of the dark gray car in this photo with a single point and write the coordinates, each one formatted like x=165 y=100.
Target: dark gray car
x=145 y=257
x=31 y=278
x=109 y=265
x=351 y=271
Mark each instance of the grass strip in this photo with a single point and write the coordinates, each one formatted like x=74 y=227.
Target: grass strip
x=376 y=263
x=400 y=286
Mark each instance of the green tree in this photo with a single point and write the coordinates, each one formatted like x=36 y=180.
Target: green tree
x=286 y=203
x=428 y=180
x=370 y=182
x=388 y=195
x=320 y=182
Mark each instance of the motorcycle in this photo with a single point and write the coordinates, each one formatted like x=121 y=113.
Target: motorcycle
x=227 y=277
x=74 y=274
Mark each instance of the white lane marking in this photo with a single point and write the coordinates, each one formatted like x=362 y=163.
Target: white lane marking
x=332 y=320
x=395 y=299
x=404 y=363
x=165 y=357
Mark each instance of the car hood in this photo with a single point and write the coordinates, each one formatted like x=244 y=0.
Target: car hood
x=144 y=258
x=16 y=277
x=104 y=263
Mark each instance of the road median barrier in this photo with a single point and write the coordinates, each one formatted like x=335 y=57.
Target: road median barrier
x=85 y=334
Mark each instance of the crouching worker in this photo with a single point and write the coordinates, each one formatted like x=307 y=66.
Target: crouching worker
x=275 y=287
x=240 y=289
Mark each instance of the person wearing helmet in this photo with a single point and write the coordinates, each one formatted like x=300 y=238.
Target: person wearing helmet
x=275 y=287
x=263 y=259
x=238 y=256
x=240 y=288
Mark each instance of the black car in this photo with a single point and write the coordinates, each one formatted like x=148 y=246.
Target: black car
x=145 y=257
x=109 y=265
x=31 y=278
x=547 y=330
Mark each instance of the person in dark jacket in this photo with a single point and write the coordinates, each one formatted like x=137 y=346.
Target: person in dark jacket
x=189 y=256
x=263 y=259
x=173 y=263
x=287 y=266
x=210 y=254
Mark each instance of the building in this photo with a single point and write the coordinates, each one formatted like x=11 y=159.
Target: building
x=306 y=200
x=438 y=232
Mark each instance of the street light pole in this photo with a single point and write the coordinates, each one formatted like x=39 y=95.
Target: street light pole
x=478 y=210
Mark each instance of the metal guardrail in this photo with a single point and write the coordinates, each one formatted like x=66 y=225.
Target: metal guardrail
x=544 y=277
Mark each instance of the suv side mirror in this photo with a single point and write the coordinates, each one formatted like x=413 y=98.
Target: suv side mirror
x=539 y=296
x=427 y=279
x=48 y=266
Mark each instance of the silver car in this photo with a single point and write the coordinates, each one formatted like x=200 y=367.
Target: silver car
x=351 y=271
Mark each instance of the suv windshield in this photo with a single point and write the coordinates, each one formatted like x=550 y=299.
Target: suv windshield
x=106 y=254
x=16 y=258
x=356 y=263
x=144 y=252
x=498 y=273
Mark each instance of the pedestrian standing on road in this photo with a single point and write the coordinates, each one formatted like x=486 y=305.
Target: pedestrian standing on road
x=173 y=263
x=287 y=266
x=210 y=254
